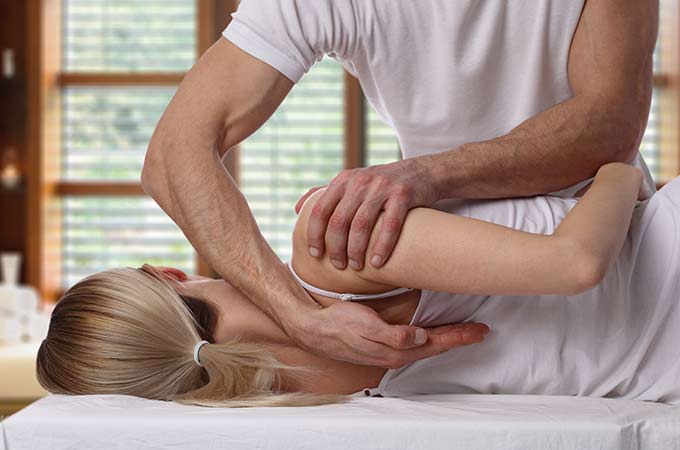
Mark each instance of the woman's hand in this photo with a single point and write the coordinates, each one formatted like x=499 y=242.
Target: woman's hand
x=355 y=333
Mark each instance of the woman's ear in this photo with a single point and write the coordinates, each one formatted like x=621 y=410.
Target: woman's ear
x=174 y=277
x=172 y=273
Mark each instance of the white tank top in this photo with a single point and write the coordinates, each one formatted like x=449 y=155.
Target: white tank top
x=620 y=339
x=441 y=73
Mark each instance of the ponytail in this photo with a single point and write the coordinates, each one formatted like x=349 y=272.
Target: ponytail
x=244 y=374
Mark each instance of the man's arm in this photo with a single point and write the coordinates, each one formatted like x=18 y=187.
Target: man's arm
x=610 y=71
x=222 y=100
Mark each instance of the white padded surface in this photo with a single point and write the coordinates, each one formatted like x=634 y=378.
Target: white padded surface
x=17 y=372
x=426 y=422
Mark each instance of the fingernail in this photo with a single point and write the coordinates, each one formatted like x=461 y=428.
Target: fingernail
x=421 y=337
x=354 y=264
x=376 y=260
x=314 y=252
x=338 y=264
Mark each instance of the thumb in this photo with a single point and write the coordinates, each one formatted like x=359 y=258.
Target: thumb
x=400 y=337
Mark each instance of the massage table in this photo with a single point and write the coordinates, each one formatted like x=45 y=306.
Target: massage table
x=425 y=422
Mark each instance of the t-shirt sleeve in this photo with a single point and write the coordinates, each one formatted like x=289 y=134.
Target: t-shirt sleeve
x=291 y=35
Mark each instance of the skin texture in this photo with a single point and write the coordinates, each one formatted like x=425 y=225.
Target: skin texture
x=610 y=73
x=448 y=253
x=239 y=318
x=227 y=95
x=183 y=173
x=573 y=259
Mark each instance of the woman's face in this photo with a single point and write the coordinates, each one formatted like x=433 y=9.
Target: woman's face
x=237 y=317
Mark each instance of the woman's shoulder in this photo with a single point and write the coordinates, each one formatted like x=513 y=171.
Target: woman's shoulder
x=320 y=272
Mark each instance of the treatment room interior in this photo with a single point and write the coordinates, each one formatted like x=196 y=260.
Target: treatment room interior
x=82 y=86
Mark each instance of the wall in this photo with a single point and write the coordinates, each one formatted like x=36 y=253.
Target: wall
x=13 y=107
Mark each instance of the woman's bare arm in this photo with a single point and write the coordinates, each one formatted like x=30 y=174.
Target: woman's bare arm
x=444 y=252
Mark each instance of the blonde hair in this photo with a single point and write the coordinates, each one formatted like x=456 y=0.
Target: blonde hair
x=127 y=331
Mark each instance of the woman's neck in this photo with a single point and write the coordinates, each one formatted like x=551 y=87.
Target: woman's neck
x=329 y=376
x=238 y=317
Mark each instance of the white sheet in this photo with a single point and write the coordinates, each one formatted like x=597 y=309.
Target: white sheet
x=430 y=422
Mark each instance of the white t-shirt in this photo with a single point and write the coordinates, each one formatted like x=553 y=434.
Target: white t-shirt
x=441 y=73
x=619 y=339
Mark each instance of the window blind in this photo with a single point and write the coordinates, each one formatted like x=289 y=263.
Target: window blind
x=299 y=147
x=105 y=131
x=128 y=35
x=381 y=144
x=99 y=233
x=650 y=148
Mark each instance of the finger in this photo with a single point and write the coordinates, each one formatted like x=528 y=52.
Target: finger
x=466 y=326
x=393 y=220
x=366 y=351
x=360 y=232
x=440 y=343
x=318 y=219
x=338 y=229
x=397 y=337
x=436 y=345
x=303 y=199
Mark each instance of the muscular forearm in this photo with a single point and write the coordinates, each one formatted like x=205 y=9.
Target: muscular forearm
x=554 y=150
x=184 y=174
x=193 y=188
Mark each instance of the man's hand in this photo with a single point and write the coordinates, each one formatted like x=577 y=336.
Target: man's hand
x=355 y=333
x=344 y=216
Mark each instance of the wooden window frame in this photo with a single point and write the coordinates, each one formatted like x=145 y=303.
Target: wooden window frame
x=354 y=129
x=667 y=81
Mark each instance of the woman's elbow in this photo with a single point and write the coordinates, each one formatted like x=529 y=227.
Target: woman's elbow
x=579 y=267
x=586 y=271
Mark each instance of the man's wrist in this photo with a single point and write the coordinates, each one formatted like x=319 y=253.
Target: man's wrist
x=438 y=174
x=294 y=316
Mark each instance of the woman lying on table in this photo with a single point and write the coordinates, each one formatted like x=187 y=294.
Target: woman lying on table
x=582 y=296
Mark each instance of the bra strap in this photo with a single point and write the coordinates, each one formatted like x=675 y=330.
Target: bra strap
x=345 y=296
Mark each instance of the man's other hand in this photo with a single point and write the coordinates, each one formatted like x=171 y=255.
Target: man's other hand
x=343 y=218
x=355 y=333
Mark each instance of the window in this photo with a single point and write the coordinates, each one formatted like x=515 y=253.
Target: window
x=152 y=36
x=299 y=147
x=382 y=146
x=106 y=126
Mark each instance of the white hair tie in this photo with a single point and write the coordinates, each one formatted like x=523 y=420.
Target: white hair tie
x=197 y=348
